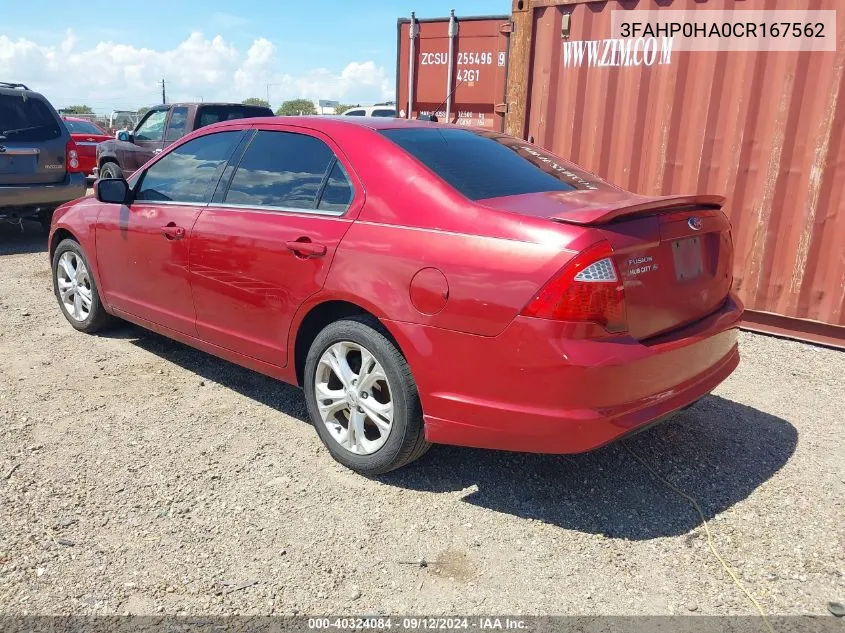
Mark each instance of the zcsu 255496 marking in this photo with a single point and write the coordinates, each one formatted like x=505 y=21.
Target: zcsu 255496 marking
x=463 y=59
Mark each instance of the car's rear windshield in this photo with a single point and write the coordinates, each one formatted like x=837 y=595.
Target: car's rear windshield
x=215 y=113
x=27 y=119
x=83 y=127
x=482 y=164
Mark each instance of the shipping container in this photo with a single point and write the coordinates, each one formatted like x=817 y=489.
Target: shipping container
x=454 y=68
x=765 y=129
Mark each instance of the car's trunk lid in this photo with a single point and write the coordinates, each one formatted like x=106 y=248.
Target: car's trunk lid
x=25 y=163
x=86 y=144
x=674 y=253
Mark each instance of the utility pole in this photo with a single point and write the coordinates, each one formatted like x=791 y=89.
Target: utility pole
x=163 y=93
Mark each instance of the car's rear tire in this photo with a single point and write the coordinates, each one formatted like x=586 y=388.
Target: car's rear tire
x=362 y=398
x=110 y=169
x=75 y=288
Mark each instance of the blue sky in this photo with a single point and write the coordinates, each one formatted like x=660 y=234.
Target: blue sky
x=342 y=50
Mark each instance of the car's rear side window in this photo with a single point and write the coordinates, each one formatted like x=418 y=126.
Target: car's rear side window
x=215 y=113
x=289 y=171
x=384 y=112
x=481 y=164
x=338 y=192
x=27 y=119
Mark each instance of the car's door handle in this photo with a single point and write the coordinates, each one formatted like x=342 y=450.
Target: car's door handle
x=173 y=232
x=304 y=247
x=157 y=151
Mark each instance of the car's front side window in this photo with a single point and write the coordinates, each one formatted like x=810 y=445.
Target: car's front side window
x=289 y=170
x=190 y=172
x=176 y=126
x=152 y=129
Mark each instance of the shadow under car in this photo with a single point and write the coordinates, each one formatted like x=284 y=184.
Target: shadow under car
x=718 y=451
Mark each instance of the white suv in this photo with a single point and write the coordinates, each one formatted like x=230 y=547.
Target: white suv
x=376 y=110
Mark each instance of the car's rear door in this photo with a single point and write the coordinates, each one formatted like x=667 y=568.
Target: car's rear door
x=265 y=243
x=33 y=141
x=143 y=247
x=177 y=124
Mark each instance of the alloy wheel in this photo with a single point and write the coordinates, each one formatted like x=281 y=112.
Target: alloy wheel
x=354 y=398
x=74 y=283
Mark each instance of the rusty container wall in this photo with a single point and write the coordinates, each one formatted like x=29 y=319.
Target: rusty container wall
x=765 y=129
x=479 y=69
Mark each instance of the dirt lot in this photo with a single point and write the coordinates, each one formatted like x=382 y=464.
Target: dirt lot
x=138 y=475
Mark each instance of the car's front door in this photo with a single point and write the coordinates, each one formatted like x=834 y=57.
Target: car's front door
x=148 y=140
x=266 y=241
x=143 y=247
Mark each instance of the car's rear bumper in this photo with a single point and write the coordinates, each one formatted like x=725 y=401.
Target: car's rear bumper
x=530 y=389
x=24 y=200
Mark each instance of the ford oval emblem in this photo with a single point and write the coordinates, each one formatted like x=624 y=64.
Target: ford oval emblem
x=694 y=224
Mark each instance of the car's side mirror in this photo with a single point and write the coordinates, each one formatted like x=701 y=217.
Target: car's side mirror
x=124 y=136
x=112 y=190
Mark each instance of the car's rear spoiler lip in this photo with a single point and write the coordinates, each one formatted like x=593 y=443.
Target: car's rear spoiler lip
x=604 y=213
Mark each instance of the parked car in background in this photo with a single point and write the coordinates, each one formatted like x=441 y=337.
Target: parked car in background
x=375 y=110
x=160 y=127
x=119 y=119
x=39 y=161
x=422 y=282
x=87 y=135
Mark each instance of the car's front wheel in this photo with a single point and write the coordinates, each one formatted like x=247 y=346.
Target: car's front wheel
x=76 y=289
x=110 y=169
x=362 y=398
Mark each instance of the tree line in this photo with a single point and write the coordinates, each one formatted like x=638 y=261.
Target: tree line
x=294 y=107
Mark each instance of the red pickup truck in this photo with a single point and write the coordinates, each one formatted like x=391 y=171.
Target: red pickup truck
x=161 y=126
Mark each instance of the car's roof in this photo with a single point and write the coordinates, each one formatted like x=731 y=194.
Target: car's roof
x=76 y=118
x=228 y=104
x=372 y=107
x=319 y=122
x=26 y=92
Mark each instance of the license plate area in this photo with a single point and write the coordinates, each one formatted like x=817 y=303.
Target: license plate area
x=689 y=259
x=17 y=164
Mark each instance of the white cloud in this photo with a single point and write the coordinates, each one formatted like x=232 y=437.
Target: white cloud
x=111 y=75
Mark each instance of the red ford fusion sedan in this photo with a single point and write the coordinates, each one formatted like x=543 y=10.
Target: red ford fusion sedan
x=422 y=283
x=87 y=135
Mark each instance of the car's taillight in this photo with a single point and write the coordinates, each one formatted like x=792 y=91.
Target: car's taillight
x=72 y=158
x=587 y=289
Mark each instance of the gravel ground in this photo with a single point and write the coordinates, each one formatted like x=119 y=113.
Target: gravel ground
x=140 y=476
